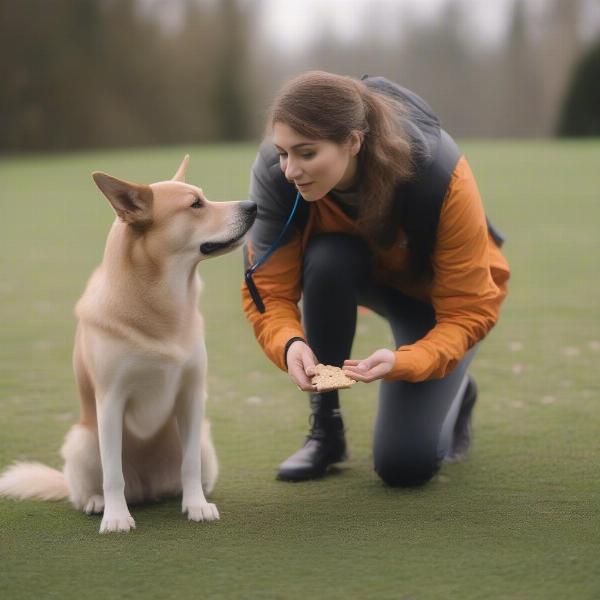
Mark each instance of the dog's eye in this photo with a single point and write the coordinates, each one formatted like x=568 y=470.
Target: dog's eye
x=197 y=204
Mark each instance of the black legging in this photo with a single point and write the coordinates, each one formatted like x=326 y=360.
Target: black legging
x=415 y=421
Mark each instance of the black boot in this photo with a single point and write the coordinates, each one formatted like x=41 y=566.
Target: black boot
x=324 y=445
x=463 y=432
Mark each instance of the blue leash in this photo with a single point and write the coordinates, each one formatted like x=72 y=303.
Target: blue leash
x=248 y=275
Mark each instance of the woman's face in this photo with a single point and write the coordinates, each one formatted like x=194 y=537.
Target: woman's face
x=316 y=166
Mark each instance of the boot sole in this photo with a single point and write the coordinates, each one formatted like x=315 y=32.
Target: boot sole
x=294 y=477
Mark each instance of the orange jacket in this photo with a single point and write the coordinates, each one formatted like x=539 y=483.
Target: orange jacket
x=469 y=284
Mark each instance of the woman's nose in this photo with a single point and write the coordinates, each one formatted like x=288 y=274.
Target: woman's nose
x=292 y=171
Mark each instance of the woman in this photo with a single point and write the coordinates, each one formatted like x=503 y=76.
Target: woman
x=389 y=218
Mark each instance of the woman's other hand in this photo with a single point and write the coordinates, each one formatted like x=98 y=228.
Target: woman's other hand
x=301 y=363
x=376 y=366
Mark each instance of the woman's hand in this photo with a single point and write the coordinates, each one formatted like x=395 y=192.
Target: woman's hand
x=376 y=366
x=301 y=363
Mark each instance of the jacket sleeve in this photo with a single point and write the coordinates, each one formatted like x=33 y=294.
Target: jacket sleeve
x=465 y=296
x=278 y=278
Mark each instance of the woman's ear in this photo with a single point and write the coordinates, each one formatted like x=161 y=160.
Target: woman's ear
x=356 y=140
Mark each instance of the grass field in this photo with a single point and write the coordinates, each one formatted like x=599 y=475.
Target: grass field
x=519 y=520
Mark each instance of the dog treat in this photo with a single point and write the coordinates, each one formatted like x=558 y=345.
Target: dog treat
x=331 y=378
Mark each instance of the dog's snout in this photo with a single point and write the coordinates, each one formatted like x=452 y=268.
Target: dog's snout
x=248 y=206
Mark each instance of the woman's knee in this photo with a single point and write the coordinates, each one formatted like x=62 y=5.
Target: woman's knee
x=407 y=468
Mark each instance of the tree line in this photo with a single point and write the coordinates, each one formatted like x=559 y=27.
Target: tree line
x=98 y=73
x=90 y=73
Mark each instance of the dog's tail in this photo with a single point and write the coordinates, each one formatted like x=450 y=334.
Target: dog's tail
x=33 y=480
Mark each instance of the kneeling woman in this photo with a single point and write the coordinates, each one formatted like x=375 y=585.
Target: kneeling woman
x=364 y=200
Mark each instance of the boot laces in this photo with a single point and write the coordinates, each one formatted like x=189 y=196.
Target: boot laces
x=324 y=426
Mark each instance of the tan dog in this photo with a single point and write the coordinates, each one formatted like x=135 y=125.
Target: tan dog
x=140 y=359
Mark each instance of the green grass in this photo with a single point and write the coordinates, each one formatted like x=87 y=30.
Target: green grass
x=518 y=520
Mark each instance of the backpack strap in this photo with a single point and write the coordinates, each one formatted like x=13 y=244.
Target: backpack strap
x=418 y=203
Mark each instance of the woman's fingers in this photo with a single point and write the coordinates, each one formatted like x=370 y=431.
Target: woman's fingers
x=306 y=386
x=300 y=378
x=364 y=376
x=376 y=372
x=362 y=366
x=301 y=365
x=309 y=363
x=305 y=371
x=371 y=368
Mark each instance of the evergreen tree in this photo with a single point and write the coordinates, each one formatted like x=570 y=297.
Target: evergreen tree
x=580 y=115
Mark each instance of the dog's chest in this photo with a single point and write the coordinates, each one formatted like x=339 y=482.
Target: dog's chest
x=153 y=389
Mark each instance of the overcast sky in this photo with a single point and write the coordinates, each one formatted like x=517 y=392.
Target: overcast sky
x=293 y=23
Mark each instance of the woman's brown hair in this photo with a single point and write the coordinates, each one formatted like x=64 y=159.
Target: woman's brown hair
x=321 y=105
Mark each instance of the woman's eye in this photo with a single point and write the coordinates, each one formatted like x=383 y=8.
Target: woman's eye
x=308 y=154
x=197 y=204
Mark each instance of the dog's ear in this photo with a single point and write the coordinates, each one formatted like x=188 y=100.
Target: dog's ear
x=132 y=202
x=180 y=175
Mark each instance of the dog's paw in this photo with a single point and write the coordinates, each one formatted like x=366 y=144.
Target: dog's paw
x=116 y=522
x=94 y=505
x=204 y=511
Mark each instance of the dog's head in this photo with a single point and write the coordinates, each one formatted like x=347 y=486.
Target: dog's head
x=175 y=218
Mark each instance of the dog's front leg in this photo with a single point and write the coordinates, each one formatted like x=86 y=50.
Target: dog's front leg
x=190 y=412
x=116 y=516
